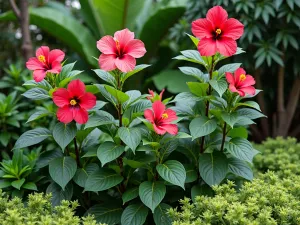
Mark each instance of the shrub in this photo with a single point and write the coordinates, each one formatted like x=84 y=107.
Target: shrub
x=268 y=200
x=39 y=210
x=280 y=155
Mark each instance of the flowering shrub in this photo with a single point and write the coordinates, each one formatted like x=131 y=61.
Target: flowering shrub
x=119 y=168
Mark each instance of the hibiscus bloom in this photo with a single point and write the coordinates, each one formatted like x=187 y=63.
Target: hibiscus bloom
x=161 y=118
x=73 y=102
x=240 y=82
x=120 y=51
x=217 y=33
x=155 y=97
x=46 y=61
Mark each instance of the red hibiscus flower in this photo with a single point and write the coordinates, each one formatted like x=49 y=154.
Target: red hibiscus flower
x=120 y=51
x=161 y=118
x=217 y=33
x=73 y=102
x=240 y=82
x=155 y=97
x=46 y=61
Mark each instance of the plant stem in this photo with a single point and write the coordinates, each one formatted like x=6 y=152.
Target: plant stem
x=224 y=136
x=77 y=153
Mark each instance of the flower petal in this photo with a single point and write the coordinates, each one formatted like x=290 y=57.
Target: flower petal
x=107 y=62
x=76 y=88
x=80 y=115
x=65 y=114
x=158 y=129
x=39 y=75
x=43 y=50
x=61 y=97
x=171 y=116
x=107 y=45
x=207 y=47
x=241 y=93
x=148 y=114
x=248 y=81
x=217 y=16
x=56 y=55
x=232 y=28
x=135 y=48
x=55 y=67
x=237 y=75
x=202 y=28
x=34 y=64
x=249 y=90
x=226 y=46
x=232 y=88
x=124 y=36
x=126 y=63
x=230 y=78
x=87 y=101
x=158 y=109
x=170 y=128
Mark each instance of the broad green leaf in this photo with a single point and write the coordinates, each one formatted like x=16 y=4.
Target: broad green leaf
x=161 y=216
x=192 y=71
x=58 y=194
x=37 y=115
x=194 y=39
x=82 y=174
x=197 y=88
x=241 y=148
x=100 y=118
x=30 y=186
x=134 y=96
x=202 y=126
x=4 y=138
x=192 y=56
x=185 y=96
x=102 y=179
x=173 y=172
x=137 y=69
x=106 y=76
x=62 y=170
x=203 y=189
x=229 y=68
x=250 y=104
x=130 y=194
x=4 y=184
x=46 y=157
x=139 y=160
x=137 y=109
x=18 y=183
x=106 y=94
x=130 y=136
x=240 y=168
x=191 y=173
x=107 y=213
x=36 y=94
x=42 y=84
x=63 y=134
x=109 y=151
x=135 y=214
x=32 y=137
x=220 y=86
x=238 y=132
x=119 y=95
x=250 y=113
x=213 y=167
x=65 y=71
x=152 y=193
x=230 y=118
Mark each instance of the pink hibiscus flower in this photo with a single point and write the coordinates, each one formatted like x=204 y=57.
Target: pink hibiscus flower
x=120 y=51
x=161 y=118
x=240 y=82
x=155 y=97
x=46 y=61
x=217 y=33
x=73 y=102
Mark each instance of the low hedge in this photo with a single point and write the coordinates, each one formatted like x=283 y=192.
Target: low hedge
x=39 y=211
x=267 y=200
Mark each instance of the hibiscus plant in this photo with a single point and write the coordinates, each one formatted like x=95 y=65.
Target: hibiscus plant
x=141 y=157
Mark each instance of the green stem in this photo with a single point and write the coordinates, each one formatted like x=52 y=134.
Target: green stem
x=77 y=153
x=224 y=136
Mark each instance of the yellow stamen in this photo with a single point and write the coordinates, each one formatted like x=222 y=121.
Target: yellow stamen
x=165 y=116
x=73 y=102
x=41 y=58
x=242 y=77
x=117 y=45
x=218 y=31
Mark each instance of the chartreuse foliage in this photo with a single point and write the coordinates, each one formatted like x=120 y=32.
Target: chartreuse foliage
x=38 y=210
x=267 y=200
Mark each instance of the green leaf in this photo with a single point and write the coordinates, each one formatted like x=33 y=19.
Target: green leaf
x=18 y=183
x=250 y=113
x=213 y=167
x=82 y=174
x=194 y=39
x=37 y=115
x=203 y=189
x=130 y=136
x=191 y=173
x=241 y=149
x=119 y=95
x=250 y=104
x=59 y=194
x=4 y=184
x=109 y=151
x=230 y=118
x=137 y=69
x=30 y=186
x=173 y=172
x=240 y=168
x=219 y=86
x=100 y=118
x=194 y=72
x=32 y=137
x=135 y=214
x=62 y=170
x=4 y=138
x=46 y=157
x=106 y=76
x=152 y=193
x=134 y=96
x=63 y=134
x=161 y=216
x=102 y=179
x=42 y=84
x=229 y=68
x=36 y=94
x=139 y=160
x=197 y=88
x=238 y=132
x=202 y=126
x=193 y=55
x=106 y=213
x=130 y=194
